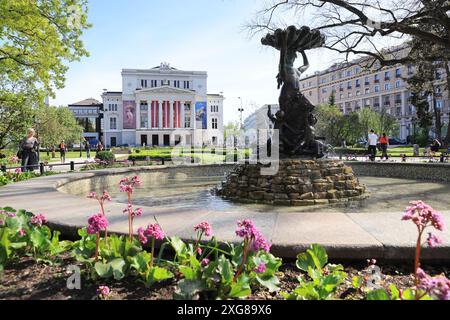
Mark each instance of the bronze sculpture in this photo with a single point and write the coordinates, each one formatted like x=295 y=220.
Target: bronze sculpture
x=295 y=120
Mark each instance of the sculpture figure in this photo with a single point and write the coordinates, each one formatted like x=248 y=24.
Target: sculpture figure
x=295 y=120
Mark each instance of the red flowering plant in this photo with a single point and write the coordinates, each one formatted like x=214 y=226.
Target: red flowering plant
x=426 y=287
x=212 y=271
x=128 y=185
x=101 y=201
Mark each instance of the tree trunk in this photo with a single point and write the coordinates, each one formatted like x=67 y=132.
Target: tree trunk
x=437 y=120
x=446 y=141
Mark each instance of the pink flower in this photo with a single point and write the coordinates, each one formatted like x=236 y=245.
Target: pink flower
x=246 y=229
x=103 y=291
x=204 y=262
x=261 y=268
x=22 y=232
x=199 y=251
x=106 y=196
x=205 y=228
x=134 y=213
x=438 y=287
x=14 y=159
x=18 y=171
x=97 y=223
x=2 y=222
x=152 y=231
x=92 y=195
x=38 y=220
x=142 y=237
x=127 y=185
x=423 y=215
x=433 y=241
x=371 y=262
x=11 y=214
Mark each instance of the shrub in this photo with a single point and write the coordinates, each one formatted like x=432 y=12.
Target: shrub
x=107 y=156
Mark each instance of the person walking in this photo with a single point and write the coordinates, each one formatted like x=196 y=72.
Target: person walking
x=372 y=140
x=435 y=145
x=384 y=142
x=28 y=151
x=62 y=151
x=87 y=146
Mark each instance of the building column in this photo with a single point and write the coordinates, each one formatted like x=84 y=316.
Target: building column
x=171 y=113
x=182 y=114
x=149 y=114
x=160 y=111
x=193 y=124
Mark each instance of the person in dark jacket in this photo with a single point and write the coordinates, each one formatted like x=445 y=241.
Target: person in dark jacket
x=28 y=151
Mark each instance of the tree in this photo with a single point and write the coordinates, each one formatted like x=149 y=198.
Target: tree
x=355 y=27
x=56 y=124
x=37 y=39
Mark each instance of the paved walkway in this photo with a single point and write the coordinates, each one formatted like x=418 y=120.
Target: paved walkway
x=356 y=236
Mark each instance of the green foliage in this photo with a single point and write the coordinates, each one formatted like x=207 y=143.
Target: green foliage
x=335 y=126
x=323 y=279
x=18 y=236
x=12 y=177
x=57 y=124
x=218 y=279
x=106 y=156
x=37 y=40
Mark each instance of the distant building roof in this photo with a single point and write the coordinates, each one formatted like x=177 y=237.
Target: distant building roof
x=86 y=102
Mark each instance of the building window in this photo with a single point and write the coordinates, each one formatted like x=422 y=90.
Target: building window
x=186 y=85
x=358 y=93
x=377 y=88
x=143 y=83
x=113 y=123
x=187 y=115
x=349 y=94
x=366 y=81
x=154 y=83
x=349 y=85
x=367 y=91
x=324 y=90
x=398 y=84
x=349 y=73
x=398 y=72
x=176 y=83
x=357 y=70
x=439 y=104
x=387 y=75
x=376 y=78
x=144 y=115
x=387 y=86
x=358 y=83
x=410 y=69
x=214 y=123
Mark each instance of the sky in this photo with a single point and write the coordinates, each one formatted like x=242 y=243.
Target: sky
x=203 y=35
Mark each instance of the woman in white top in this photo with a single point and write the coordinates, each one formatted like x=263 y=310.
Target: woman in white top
x=28 y=151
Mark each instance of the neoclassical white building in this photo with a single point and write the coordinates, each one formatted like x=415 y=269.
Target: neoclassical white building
x=163 y=106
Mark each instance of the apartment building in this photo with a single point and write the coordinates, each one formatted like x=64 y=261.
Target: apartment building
x=383 y=89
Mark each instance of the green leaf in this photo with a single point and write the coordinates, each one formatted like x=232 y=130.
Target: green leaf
x=140 y=262
x=179 y=246
x=379 y=294
x=319 y=255
x=271 y=282
x=161 y=274
x=395 y=293
x=357 y=282
x=225 y=270
x=187 y=289
x=187 y=272
x=118 y=267
x=104 y=270
x=240 y=288
x=5 y=250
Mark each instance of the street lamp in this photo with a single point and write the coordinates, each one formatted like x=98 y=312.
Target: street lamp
x=37 y=124
x=81 y=142
x=241 y=110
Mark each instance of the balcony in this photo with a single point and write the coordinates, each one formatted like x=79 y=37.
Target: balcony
x=357 y=85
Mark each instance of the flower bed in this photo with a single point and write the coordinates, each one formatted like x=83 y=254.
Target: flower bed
x=204 y=269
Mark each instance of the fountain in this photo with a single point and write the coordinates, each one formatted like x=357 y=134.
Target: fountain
x=303 y=176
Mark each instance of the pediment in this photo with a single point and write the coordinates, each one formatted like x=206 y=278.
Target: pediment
x=164 y=90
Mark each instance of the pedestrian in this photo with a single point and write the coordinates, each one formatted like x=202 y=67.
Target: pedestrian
x=28 y=151
x=435 y=145
x=384 y=142
x=62 y=151
x=87 y=146
x=372 y=140
x=99 y=147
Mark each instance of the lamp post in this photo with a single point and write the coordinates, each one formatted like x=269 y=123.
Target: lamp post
x=37 y=124
x=81 y=142
x=241 y=110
